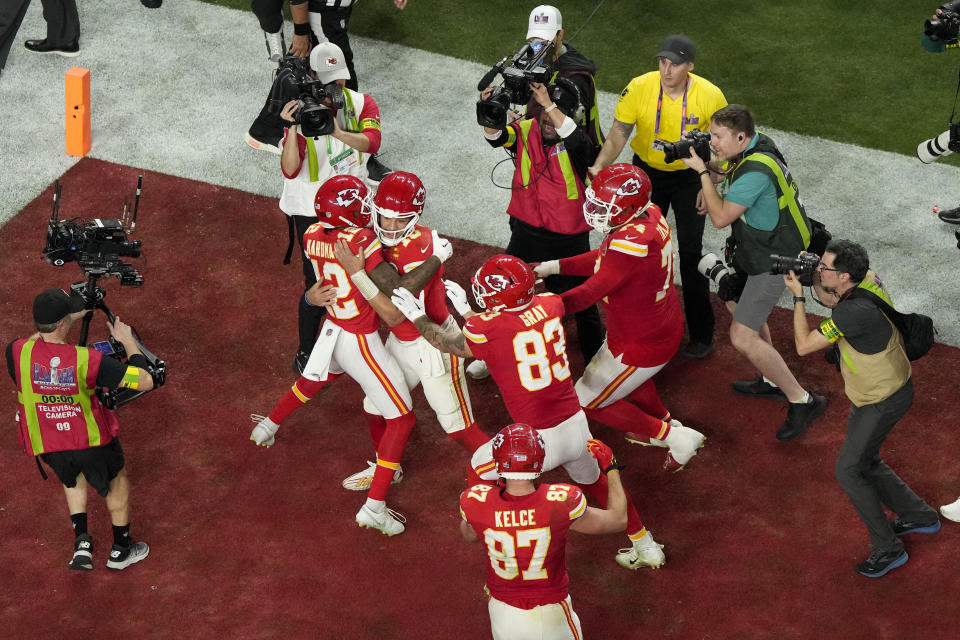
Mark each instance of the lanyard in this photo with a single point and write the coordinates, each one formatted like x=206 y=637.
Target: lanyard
x=683 y=112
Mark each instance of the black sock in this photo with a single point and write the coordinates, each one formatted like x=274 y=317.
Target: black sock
x=121 y=536
x=79 y=521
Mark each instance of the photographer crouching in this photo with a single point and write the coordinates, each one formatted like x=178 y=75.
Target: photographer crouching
x=63 y=422
x=762 y=206
x=877 y=380
x=331 y=131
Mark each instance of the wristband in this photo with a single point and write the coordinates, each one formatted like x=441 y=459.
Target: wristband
x=704 y=172
x=302 y=29
x=552 y=106
x=618 y=467
x=365 y=285
x=797 y=299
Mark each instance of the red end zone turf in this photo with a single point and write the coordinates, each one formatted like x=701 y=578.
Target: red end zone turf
x=256 y=543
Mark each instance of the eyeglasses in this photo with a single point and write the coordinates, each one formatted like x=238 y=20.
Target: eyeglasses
x=822 y=267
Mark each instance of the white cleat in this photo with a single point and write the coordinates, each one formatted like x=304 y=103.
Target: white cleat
x=951 y=511
x=275 y=45
x=645 y=552
x=478 y=370
x=361 y=480
x=264 y=431
x=388 y=521
x=683 y=443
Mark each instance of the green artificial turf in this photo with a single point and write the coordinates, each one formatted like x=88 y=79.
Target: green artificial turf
x=848 y=71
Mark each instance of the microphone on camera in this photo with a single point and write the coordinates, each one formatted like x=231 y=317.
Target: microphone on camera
x=488 y=78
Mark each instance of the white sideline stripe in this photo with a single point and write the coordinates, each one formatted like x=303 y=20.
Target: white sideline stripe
x=182 y=122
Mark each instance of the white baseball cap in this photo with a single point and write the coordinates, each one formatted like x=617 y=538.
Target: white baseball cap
x=545 y=22
x=328 y=61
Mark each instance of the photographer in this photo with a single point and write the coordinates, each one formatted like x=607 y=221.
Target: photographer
x=309 y=161
x=877 y=379
x=663 y=105
x=763 y=209
x=62 y=421
x=551 y=156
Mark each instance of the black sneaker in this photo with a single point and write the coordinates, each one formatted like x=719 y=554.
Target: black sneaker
x=123 y=557
x=903 y=526
x=376 y=169
x=71 y=50
x=880 y=563
x=758 y=388
x=82 y=553
x=300 y=362
x=950 y=215
x=698 y=350
x=800 y=416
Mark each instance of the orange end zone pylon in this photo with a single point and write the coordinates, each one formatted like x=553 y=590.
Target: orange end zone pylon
x=77 y=95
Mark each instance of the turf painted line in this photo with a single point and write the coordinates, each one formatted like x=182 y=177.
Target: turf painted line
x=174 y=90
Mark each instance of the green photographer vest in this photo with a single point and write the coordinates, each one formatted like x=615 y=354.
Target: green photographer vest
x=792 y=233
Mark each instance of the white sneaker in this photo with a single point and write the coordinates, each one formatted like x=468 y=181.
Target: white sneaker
x=645 y=552
x=683 y=443
x=951 y=511
x=121 y=558
x=264 y=431
x=361 y=480
x=478 y=370
x=275 y=45
x=388 y=521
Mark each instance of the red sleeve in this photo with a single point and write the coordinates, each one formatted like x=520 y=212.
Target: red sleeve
x=581 y=265
x=302 y=143
x=615 y=269
x=370 y=123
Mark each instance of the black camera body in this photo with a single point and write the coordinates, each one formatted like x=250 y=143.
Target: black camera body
x=293 y=81
x=946 y=25
x=804 y=266
x=699 y=141
x=534 y=62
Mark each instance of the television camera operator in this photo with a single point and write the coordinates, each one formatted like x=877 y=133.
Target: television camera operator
x=877 y=380
x=63 y=421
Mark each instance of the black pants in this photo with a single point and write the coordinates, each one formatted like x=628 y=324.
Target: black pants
x=309 y=318
x=678 y=190
x=533 y=244
x=63 y=21
x=865 y=477
x=269 y=13
x=11 y=15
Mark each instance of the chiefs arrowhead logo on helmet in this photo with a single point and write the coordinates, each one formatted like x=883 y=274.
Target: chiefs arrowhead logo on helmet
x=630 y=187
x=420 y=197
x=496 y=282
x=346 y=197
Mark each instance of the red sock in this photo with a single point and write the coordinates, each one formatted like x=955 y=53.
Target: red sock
x=389 y=453
x=648 y=399
x=301 y=391
x=598 y=490
x=377 y=425
x=629 y=417
x=471 y=438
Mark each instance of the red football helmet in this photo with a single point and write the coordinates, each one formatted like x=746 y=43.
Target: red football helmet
x=518 y=451
x=618 y=194
x=504 y=282
x=342 y=201
x=401 y=196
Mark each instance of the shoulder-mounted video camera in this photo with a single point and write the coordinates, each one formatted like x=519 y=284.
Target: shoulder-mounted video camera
x=946 y=24
x=293 y=81
x=534 y=62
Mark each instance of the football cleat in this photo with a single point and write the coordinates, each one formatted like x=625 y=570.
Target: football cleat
x=478 y=370
x=388 y=521
x=361 y=480
x=643 y=441
x=264 y=431
x=645 y=552
x=683 y=443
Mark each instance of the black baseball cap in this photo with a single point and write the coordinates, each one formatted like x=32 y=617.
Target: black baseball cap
x=678 y=48
x=53 y=305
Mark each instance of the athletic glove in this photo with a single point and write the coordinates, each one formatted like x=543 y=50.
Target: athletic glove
x=412 y=308
x=548 y=268
x=457 y=297
x=441 y=247
x=604 y=456
x=264 y=431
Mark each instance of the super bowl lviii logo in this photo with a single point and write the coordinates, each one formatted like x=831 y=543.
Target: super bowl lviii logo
x=53 y=375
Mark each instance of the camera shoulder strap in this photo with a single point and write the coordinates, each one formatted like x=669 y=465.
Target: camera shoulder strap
x=955 y=97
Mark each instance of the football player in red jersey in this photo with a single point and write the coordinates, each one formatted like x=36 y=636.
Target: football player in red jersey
x=348 y=341
x=396 y=209
x=521 y=338
x=632 y=274
x=524 y=528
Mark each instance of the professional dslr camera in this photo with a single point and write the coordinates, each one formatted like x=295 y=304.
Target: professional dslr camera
x=804 y=266
x=946 y=25
x=729 y=283
x=699 y=141
x=534 y=62
x=294 y=82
